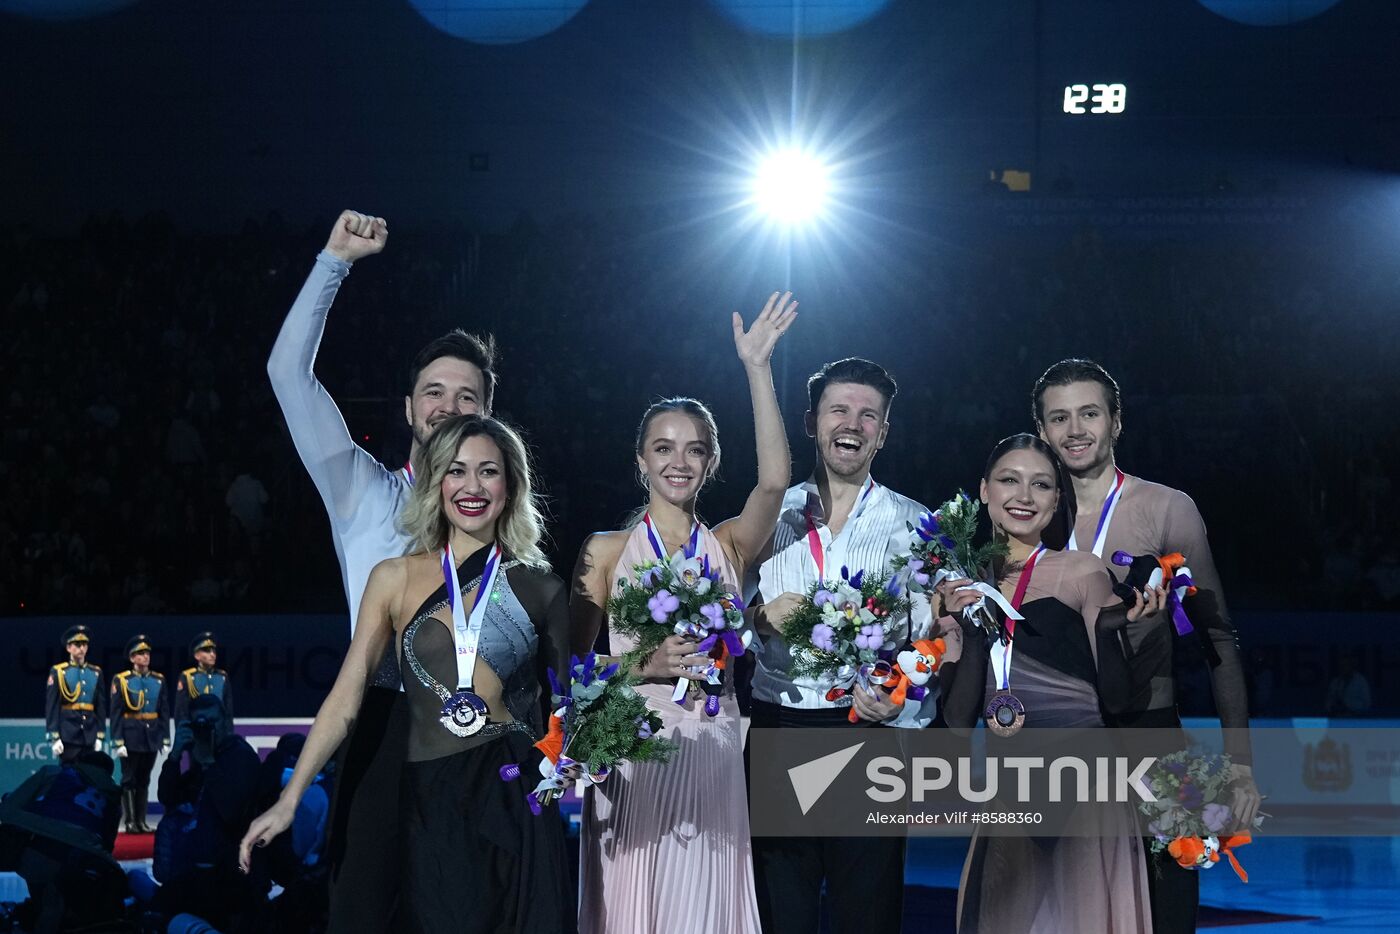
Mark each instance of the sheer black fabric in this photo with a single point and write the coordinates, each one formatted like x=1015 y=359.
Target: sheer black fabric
x=525 y=632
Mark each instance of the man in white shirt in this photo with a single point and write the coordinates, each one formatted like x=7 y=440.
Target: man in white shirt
x=452 y=375
x=839 y=517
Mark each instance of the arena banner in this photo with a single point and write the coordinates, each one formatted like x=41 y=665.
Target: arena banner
x=25 y=750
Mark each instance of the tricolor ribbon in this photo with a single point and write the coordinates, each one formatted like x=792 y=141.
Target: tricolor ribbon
x=1110 y=504
x=1001 y=648
x=692 y=545
x=814 y=538
x=707 y=639
x=466 y=632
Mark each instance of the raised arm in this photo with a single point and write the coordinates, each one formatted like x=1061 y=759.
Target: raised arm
x=748 y=533
x=337 y=465
x=342 y=705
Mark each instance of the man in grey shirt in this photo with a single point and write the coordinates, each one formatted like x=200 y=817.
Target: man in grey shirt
x=452 y=375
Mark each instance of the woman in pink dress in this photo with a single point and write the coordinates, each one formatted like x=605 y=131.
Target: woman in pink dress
x=665 y=848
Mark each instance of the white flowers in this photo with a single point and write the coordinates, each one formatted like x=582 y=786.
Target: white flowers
x=690 y=573
x=954 y=507
x=842 y=604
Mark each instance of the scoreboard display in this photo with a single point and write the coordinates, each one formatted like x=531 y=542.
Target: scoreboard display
x=1095 y=98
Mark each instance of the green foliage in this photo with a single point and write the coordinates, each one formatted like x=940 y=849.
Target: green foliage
x=629 y=615
x=812 y=661
x=604 y=731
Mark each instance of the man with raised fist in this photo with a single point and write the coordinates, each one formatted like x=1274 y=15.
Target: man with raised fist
x=452 y=375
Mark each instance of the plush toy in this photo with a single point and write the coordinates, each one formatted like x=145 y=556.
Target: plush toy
x=914 y=668
x=1204 y=852
x=906 y=679
x=1148 y=571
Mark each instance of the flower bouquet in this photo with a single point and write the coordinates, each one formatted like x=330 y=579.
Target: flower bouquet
x=1189 y=814
x=845 y=631
x=682 y=596
x=942 y=547
x=598 y=721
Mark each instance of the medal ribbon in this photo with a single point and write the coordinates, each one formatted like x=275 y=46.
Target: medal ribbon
x=1001 y=651
x=467 y=633
x=1110 y=503
x=408 y=471
x=692 y=546
x=814 y=539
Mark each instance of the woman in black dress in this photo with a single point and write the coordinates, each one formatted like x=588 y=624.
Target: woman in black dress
x=475 y=859
x=1065 y=668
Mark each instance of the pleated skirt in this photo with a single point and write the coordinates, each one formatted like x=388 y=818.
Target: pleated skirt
x=665 y=847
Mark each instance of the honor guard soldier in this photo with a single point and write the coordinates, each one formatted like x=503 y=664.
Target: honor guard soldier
x=75 y=714
x=140 y=729
x=203 y=678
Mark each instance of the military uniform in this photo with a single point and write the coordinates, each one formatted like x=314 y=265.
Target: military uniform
x=140 y=729
x=199 y=680
x=75 y=709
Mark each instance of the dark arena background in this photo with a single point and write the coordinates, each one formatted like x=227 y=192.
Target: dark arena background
x=1201 y=195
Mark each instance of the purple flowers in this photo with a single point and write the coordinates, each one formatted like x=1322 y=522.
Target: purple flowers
x=928 y=526
x=824 y=637
x=663 y=605
x=871 y=636
x=1190 y=796
x=822 y=598
x=714 y=615
x=1216 y=817
x=651 y=577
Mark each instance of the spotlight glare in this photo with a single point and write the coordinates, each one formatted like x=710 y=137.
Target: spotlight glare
x=790 y=186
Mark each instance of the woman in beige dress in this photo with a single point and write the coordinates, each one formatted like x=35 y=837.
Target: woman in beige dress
x=665 y=848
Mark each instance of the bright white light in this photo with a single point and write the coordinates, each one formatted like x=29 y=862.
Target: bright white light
x=790 y=186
